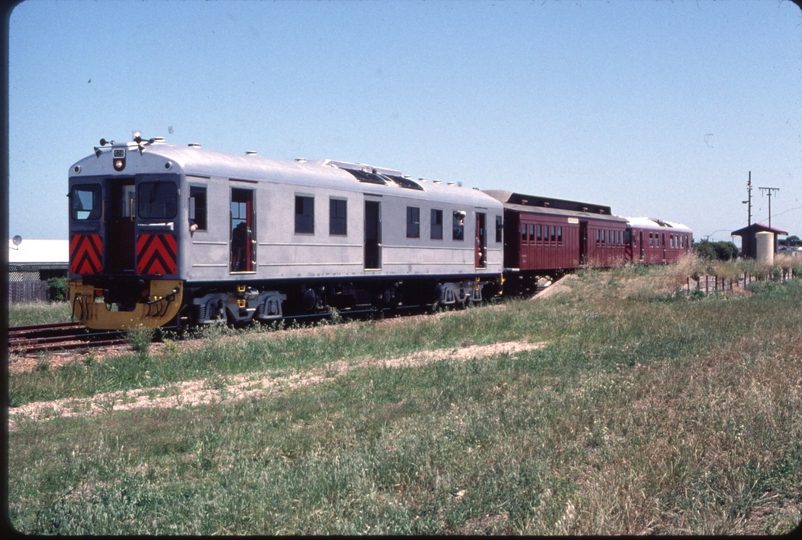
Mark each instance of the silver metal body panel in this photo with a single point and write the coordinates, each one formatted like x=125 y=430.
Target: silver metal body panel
x=280 y=252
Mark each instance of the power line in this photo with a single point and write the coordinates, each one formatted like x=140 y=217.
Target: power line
x=770 y=190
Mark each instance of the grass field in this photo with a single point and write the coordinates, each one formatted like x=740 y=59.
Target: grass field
x=642 y=412
x=38 y=313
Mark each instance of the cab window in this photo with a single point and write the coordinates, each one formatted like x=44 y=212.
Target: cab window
x=157 y=200
x=85 y=202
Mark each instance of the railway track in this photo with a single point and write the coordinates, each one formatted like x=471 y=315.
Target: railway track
x=70 y=336
x=58 y=336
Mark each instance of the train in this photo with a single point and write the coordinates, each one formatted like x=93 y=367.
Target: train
x=163 y=234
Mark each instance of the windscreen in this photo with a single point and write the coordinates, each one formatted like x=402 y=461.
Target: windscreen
x=157 y=200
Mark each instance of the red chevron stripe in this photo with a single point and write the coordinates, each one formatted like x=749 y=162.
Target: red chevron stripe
x=156 y=254
x=86 y=254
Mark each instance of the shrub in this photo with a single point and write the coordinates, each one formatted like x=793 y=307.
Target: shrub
x=716 y=251
x=57 y=289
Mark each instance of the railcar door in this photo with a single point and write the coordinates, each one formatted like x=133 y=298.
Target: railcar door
x=481 y=241
x=583 y=242
x=373 y=235
x=120 y=242
x=242 y=231
x=640 y=240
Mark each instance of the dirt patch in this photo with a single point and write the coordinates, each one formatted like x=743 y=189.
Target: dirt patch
x=561 y=285
x=228 y=389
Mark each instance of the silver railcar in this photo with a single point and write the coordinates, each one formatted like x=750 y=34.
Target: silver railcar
x=160 y=232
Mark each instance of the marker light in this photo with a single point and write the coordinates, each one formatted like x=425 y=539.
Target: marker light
x=119 y=158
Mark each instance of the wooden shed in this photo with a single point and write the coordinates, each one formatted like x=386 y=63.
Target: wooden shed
x=749 y=238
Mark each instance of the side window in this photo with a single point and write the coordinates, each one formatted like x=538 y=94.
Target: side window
x=553 y=234
x=459 y=225
x=338 y=217
x=413 y=222
x=539 y=233
x=197 y=207
x=437 y=225
x=651 y=240
x=523 y=232
x=85 y=202
x=531 y=232
x=499 y=229
x=559 y=234
x=304 y=215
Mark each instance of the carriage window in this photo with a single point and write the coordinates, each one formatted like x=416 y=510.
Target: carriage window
x=523 y=232
x=197 y=207
x=559 y=234
x=413 y=222
x=499 y=229
x=304 y=215
x=531 y=232
x=158 y=200
x=338 y=217
x=437 y=225
x=458 y=225
x=85 y=202
x=651 y=240
x=597 y=235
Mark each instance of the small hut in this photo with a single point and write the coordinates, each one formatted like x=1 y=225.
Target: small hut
x=749 y=238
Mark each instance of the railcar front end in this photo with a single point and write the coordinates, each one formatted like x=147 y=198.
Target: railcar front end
x=125 y=231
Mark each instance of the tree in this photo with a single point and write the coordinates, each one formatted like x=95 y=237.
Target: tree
x=716 y=251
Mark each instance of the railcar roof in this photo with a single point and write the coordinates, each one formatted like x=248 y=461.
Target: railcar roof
x=658 y=224
x=325 y=173
x=533 y=204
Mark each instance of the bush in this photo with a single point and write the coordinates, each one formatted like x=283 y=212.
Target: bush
x=716 y=251
x=57 y=289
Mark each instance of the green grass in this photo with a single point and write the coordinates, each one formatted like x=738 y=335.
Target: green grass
x=38 y=313
x=641 y=415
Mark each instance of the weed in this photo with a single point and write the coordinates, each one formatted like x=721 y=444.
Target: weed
x=42 y=362
x=140 y=339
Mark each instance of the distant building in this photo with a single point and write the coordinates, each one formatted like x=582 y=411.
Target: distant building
x=749 y=238
x=31 y=263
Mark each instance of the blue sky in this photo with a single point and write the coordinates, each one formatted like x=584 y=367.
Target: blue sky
x=656 y=109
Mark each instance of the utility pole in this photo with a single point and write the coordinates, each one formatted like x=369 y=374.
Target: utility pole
x=746 y=238
x=769 y=189
x=749 y=200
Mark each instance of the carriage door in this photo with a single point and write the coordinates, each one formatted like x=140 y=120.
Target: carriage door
x=481 y=241
x=583 y=242
x=664 y=248
x=120 y=244
x=242 y=239
x=640 y=241
x=373 y=235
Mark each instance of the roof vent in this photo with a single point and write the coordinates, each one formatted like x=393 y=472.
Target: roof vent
x=158 y=139
x=193 y=145
x=300 y=160
x=250 y=152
